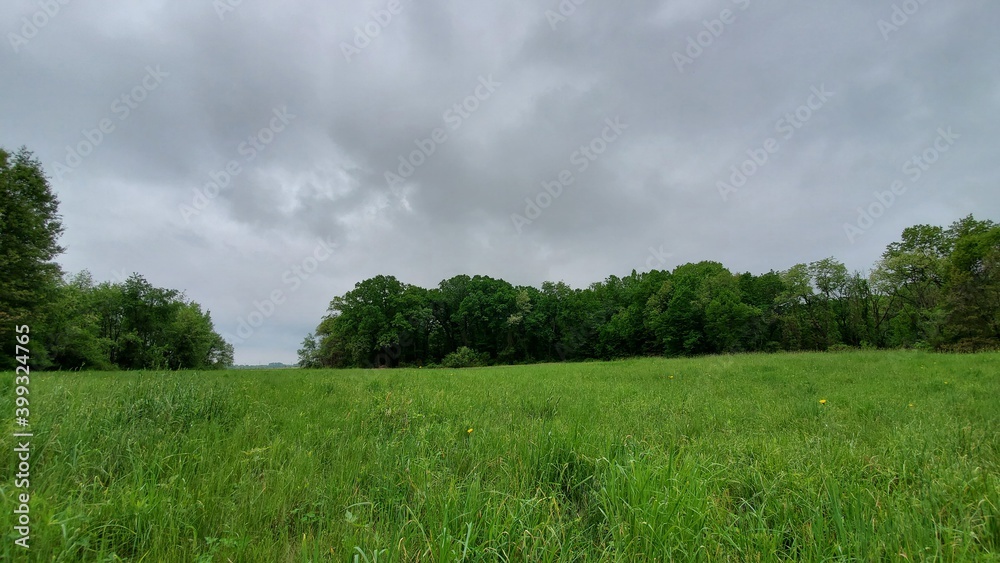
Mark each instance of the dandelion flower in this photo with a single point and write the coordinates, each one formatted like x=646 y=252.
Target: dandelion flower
x=911 y=405
x=671 y=377
x=469 y=431
x=822 y=401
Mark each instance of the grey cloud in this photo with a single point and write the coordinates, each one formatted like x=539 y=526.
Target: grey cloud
x=655 y=186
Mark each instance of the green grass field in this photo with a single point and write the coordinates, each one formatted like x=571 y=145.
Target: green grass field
x=709 y=459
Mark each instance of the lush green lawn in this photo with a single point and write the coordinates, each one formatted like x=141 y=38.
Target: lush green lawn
x=713 y=459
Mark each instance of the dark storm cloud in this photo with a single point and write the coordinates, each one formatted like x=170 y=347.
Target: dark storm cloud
x=195 y=187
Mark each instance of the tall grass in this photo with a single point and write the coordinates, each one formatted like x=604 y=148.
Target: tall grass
x=709 y=459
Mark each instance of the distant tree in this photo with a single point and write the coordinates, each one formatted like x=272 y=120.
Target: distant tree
x=729 y=322
x=575 y=319
x=868 y=312
x=191 y=341
x=221 y=353
x=971 y=301
x=368 y=321
x=831 y=281
x=806 y=320
x=30 y=227
x=309 y=353
x=516 y=347
x=73 y=332
x=936 y=286
x=134 y=325
x=624 y=331
x=925 y=276
x=474 y=312
x=332 y=349
x=678 y=309
x=762 y=292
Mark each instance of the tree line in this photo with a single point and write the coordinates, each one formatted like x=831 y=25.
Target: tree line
x=936 y=288
x=76 y=322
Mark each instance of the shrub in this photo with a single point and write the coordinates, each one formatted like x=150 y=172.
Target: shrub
x=972 y=346
x=465 y=357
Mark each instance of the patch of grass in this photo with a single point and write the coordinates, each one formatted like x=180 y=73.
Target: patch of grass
x=709 y=459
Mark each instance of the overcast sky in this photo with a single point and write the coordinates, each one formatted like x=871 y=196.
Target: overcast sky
x=744 y=131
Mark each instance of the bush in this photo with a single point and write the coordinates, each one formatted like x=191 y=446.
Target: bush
x=841 y=348
x=972 y=346
x=465 y=357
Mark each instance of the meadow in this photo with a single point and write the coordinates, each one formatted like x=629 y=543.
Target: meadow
x=855 y=456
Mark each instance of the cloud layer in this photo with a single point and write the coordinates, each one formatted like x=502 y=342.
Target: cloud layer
x=235 y=149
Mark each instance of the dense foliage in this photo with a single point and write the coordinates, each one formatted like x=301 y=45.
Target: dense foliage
x=75 y=322
x=937 y=288
x=130 y=325
x=29 y=232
